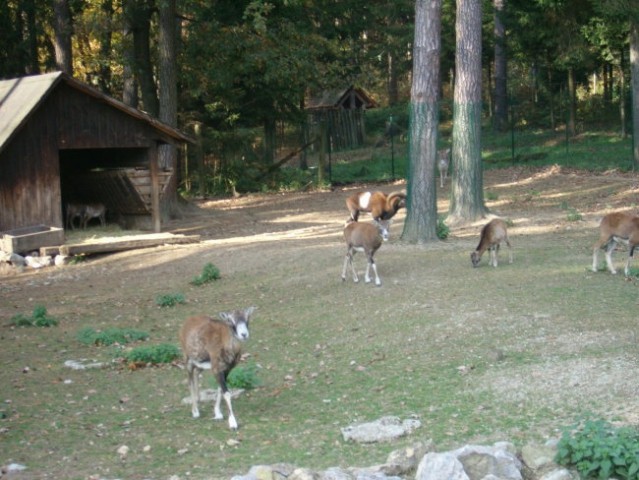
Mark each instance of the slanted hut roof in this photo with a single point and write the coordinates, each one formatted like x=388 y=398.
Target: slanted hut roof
x=20 y=97
x=348 y=98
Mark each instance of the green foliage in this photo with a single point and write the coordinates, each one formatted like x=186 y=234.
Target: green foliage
x=573 y=215
x=209 y=273
x=170 y=299
x=152 y=354
x=243 y=376
x=597 y=449
x=442 y=229
x=110 y=336
x=39 y=318
x=492 y=196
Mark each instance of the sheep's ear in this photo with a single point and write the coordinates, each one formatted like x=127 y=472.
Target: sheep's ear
x=248 y=311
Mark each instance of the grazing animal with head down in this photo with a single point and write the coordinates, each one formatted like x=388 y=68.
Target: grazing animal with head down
x=443 y=161
x=616 y=228
x=367 y=238
x=380 y=206
x=214 y=344
x=492 y=234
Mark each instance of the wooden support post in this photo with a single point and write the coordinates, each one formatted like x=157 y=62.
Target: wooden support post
x=155 y=189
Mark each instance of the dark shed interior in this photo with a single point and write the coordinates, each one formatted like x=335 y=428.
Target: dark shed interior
x=63 y=141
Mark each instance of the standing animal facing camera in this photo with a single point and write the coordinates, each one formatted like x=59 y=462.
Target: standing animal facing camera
x=492 y=234
x=380 y=206
x=94 y=210
x=443 y=162
x=214 y=344
x=616 y=228
x=367 y=238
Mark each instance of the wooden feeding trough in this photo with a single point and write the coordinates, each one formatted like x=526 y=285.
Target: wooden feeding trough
x=26 y=239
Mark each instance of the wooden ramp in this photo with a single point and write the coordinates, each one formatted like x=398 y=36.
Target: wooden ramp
x=118 y=244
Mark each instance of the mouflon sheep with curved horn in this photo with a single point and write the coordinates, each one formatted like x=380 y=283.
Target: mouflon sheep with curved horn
x=214 y=344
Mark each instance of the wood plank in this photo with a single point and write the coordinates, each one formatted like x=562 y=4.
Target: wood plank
x=140 y=241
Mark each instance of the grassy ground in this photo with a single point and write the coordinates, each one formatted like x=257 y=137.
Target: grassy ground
x=479 y=355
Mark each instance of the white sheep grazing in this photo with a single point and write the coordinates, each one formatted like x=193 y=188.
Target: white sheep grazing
x=216 y=345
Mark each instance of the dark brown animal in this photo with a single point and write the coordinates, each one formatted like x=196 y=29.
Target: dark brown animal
x=73 y=211
x=618 y=227
x=214 y=344
x=380 y=206
x=367 y=238
x=492 y=234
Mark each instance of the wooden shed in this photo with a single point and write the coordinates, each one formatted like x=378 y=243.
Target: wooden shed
x=62 y=140
x=343 y=111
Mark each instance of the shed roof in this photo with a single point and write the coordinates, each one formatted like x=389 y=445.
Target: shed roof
x=20 y=97
x=340 y=98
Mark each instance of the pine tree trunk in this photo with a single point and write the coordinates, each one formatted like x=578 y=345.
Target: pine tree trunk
x=63 y=28
x=168 y=95
x=634 y=69
x=104 y=71
x=501 y=86
x=467 y=197
x=420 y=225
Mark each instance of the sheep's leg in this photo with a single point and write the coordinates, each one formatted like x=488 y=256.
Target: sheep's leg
x=631 y=255
x=224 y=391
x=217 y=411
x=371 y=263
x=609 y=249
x=510 y=252
x=193 y=373
x=348 y=260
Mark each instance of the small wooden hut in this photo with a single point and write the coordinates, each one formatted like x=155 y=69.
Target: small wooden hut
x=343 y=111
x=62 y=140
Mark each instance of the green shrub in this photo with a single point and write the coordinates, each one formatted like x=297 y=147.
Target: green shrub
x=154 y=354
x=442 y=229
x=209 y=273
x=492 y=196
x=597 y=449
x=170 y=299
x=110 y=336
x=243 y=376
x=573 y=215
x=39 y=318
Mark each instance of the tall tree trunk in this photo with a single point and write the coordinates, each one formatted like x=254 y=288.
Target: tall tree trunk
x=104 y=70
x=500 y=120
x=168 y=93
x=634 y=70
x=467 y=196
x=393 y=89
x=33 y=65
x=139 y=17
x=129 y=83
x=622 y=94
x=572 y=102
x=62 y=26
x=420 y=225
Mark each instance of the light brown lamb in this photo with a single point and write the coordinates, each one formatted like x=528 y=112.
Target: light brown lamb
x=492 y=234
